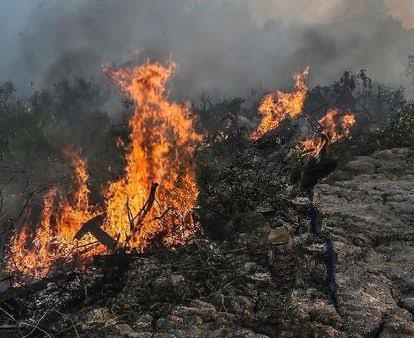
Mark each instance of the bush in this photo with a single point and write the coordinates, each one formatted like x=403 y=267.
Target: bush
x=397 y=132
x=399 y=128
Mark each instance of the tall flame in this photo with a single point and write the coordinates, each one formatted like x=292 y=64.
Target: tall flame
x=276 y=106
x=161 y=150
x=163 y=140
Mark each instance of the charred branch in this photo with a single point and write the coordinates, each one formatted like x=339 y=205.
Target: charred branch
x=93 y=227
x=135 y=222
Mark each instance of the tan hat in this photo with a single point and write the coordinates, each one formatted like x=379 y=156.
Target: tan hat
x=278 y=236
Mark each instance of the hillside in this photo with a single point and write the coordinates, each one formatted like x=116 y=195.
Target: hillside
x=236 y=289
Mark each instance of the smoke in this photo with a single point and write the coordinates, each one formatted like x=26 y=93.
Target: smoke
x=309 y=12
x=402 y=10
x=222 y=46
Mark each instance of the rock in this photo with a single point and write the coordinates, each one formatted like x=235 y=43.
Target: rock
x=125 y=331
x=375 y=259
x=362 y=164
x=176 y=280
x=242 y=305
x=409 y=304
x=144 y=322
x=261 y=278
x=161 y=323
x=173 y=322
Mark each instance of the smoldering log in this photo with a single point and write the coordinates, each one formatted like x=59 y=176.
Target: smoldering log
x=93 y=226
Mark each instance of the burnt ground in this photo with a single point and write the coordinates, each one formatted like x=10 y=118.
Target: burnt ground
x=237 y=288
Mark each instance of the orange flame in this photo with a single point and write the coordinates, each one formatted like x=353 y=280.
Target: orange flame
x=163 y=140
x=276 y=106
x=161 y=150
x=337 y=126
x=34 y=252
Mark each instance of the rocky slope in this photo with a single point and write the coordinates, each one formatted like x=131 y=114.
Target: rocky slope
x=369 y=209
x=240 y=288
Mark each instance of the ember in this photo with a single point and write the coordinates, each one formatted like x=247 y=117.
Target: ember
x=161 y=150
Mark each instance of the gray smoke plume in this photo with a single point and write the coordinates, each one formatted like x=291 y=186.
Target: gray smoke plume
x=222 y=46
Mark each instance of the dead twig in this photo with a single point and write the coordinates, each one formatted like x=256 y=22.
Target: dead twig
x=73 y=324
x=36 y=327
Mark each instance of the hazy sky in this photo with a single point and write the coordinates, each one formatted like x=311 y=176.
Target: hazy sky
x=228 y=46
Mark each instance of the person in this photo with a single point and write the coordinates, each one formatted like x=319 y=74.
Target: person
x=278 y=236
x=310 y=173
x=318 y=167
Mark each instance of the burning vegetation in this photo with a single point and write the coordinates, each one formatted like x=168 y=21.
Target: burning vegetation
x=164 y=185
x=151 y=205
x=335 y=124
x=276 y=106
x=135 y=215
x=163 y=140
x=37 y=250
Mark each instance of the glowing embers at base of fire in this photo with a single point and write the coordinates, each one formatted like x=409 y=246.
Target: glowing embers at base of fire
x=161 y=150
x=274 y=107
x=335 y=124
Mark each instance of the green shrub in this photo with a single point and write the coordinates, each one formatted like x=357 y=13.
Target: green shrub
x=398 y=131
x=399 y=128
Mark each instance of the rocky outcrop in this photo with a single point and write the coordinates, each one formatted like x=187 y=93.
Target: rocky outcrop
x=368 y=209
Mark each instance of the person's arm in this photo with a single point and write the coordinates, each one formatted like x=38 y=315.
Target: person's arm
x=323 y=149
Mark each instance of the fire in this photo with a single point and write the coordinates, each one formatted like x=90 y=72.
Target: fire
x=276 y=106
x=163 y=140
x=334 y=123
x=152 y=204
x=137 y=216
x=36 y=251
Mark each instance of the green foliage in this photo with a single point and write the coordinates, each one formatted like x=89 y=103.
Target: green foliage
x=34 y=132
x=398 y=131
x=198 y=266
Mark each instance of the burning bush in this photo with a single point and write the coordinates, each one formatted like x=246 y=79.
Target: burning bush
x=161 y=150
